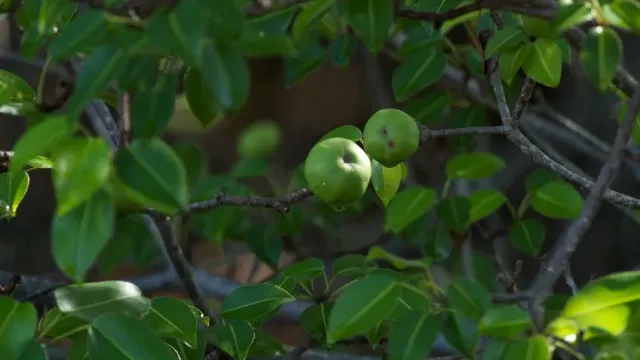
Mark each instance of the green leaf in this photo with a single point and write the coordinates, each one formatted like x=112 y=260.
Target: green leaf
x=250 y=167
x=533 y=348
x=194 y=160
x=386 y=181
x=259 y=44
x=412 y=336
x=504 y=321
x=314 y=320
x=570 y=16
x=341 y=49
x=13 y=188
x=78 y=236
x=187 y=353
x=84 y=31
x=407 y=206
x=484 y=203
x=361 y=306
x=57 y=325
x=82 y=167
x=304 y=270
x=234 y=338
x=527 y=236
x=438 y=6
x=172 y=318
x=310 y=14
x=544 y=62
x=119 y=336
x=265 y=243
x=495 y=349
x=17 y=325
x=152 y=106
x=473 y=166
x=601 y=54
x=536 y=27
x=226 y=21
x=378 y=253
x=265 y=345
x=468 y=297
x=40 y=139
x=419 y=70
x=92 y=300
x=371 y=20
x=351 y=265
x=252 y=301
x=437 y=244
x=557 y=199
x=461 y=332
x=310 y=56
x=14 y=90
x=40 y=162
x=512 y=60
x=429 y=109
x=103 y=65
x=454 y=212
x=566 y=50
x=350 y=132
x=629 y=12
x=153 y=174
x=34 y=351
x=505 y=39
x=226 y=74
x=203 y=104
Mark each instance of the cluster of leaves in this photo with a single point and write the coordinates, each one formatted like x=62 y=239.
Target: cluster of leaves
x=198 y=51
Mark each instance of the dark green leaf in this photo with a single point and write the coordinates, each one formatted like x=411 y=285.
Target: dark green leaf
x=251 y=301
x=505 y=39
x=57 y=325
x=82 y=167
x=495 y=349
x=34 y=351
x=504 y=321
x=226 y=74
x=461 y=332
x=310 y=14
x=569 y=16
x=134 y=231
x=438 y=6
x=371 y=20
x=275 y=22
x=544 y=62
x=172 y=318
x=17 y=325
x=341 y=49
x=265 y=345
x=261 y=45
x=78 y=236
x=310 y=56
x=438 y=244
x=234 y=338
x=628 y=12
x=40 y=139
x=454 y=212
x=226 y=21
x=351 y=265
x=119 y=336
x=194 y=160
x=601 y=54
x=250 y=167
x=203 y=104
x=474 y=166
x=527 y=236
x=304 y=270
x=484 y=203
x=361 y=306
x=412 y=336
x=153 y=175
x=140 y=70
x=385 y=181
x=187 y=353
x=419 y=70
x=430 y=109
x=84 y=31
x=463 y=118
x=92 y=300
x=557 y=199
x=152 y=106
x=314 y=320
x=468 y=297
x=407 y=206
x=13 y=188
x=265 y=244
x=536 y=27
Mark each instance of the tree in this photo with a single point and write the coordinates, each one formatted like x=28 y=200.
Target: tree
x=115 y=192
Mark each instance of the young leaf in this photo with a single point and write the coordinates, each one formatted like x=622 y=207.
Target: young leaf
x=473 y=166
x=78 y=236
x=252 y=301
x=558 y=200
x=39 y=139
x=407 y=206
x=152 y=106
x=153 y=174
x=544 y=63
x=84 y=31
x=419 y=70
x=304 y=270
x=82 y=167
x=18 y=324
x=371 y=20
x=527 y=236
x=361 y=306
x=117 y=336
x=350 y=132
x=13 y=188
x=412 y=336
x=454 y=212
x=600 y=54
x=310 y=14
x=468 y=297
x=92 y=300
x=506 y=39
x=314 y=320
x=385 y=181
x=484 y=203
x=172 y=318
x=511 y=61
x=504 y=321
x=234 y=338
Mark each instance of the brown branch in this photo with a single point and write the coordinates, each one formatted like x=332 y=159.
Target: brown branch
x=279 y=204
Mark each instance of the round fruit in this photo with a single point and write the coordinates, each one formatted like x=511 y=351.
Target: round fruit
x=259 y=139
x=338 y=171
x=391 y=136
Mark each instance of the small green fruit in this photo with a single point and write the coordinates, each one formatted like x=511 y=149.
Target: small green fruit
x=338 y=171
x=391 y=136
x=259 y=140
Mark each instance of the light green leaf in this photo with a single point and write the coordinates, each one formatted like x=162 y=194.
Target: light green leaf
x=484 y=203
x=557 y=199
x=473 y=166
x=92 y=300
x=468 y=297
x=371 y=20
x=40 y=139
x=252 y=301
x=350 y=132
x=14 y=92
x=569 y=16
x=304 y=270
x=17 y=325
x=234 y=338
x=419 y=70
x=361 y=306
x=533 y=348
x=454 y=212
x=629 y=12
x=13 y=188
x=407 y=206
x=505 y=39
x=504 y=321
x=78 y=236
x=412 y=336
x=600 y=54
x=310 y=14
x=511 y=61
x=172 y=318
x=378 y=253
x=386 y=181
x=527 y=236
x=544 y=63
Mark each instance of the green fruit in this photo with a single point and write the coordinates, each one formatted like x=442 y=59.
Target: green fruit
x=391 y=136
x=259 y=140
x=337 y=171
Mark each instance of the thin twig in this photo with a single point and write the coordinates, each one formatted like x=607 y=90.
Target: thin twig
x=523 y=100
x=279 y=204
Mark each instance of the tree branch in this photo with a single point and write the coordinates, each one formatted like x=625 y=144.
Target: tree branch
x=532 y=8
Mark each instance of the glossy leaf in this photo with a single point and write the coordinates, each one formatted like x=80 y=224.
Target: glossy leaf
x=13 y=188
x=569 y=16
x=527 y=236
x=235 y=338
x=511 y=61
x=407 y=206
x=314 y=320
x=203 y=104
x=14 y=90
x=152 y=106
x=82 y=167
x=117 y=336
x=84 y=31
x=92 y=300
x=371 y=20
x=473 y=166
x=468 y=297
x=78 y=236
x=484 y=203
x=504 y=321
x=412 y=336
x=17 y=325
x=153 y=174
x=419 y=70
x=600 y=55
x=385 y=181
x=544 y=63
x=361 y=306
x=304 y=270
x=172 y=318
x=454 y=212
x=310 y=14
x=251 y=301
x=39 y=140
x=505 y=39
x=350 y=132
x=557 y=199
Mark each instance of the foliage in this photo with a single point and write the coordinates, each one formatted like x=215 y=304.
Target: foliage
x=199 y=50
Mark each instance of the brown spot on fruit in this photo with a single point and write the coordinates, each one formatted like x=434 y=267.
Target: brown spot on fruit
x=383 y=131
x=391 y=144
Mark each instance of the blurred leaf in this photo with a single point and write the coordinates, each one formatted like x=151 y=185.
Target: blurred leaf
x=352 y=265
x=371 y=20
x=430 y=109
x=601 y=53
x=194 y=160
x=504 y=321
x=78 y=236
x=226 y=74
x=226 y=21
x=350 y=132
x=385 y=181
x=152 y=106
x=83 y=32
x=40 y=139
x=341 y=49
x=438 y=6
x=534 y=348
x=495 y=349
x=259 y=44
x=474 y=166
x=629 y=12
x=314 y=320
x=13 y=188
x=250 y=167
x=484 y=203
x=203 y=104
x=527 y=236
x=506 y=38
x=412 y=336
x=438 y=243
x=461 y=332
x=266 y=244
x=15 y=93
x=310 y=56
x=468 y=297
x=264 y=345
x=544 y=63
x=310 y=14
x=407 y=206
x=251 y=301
x=466 y=117
x=419 y=70
x=17 y=324
x=569 y=16
x=304 y=270
x=378 y=253
x=454 y=212
x=34 y=351
x=172 y=318
x=234 y=338
x=539 y=28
